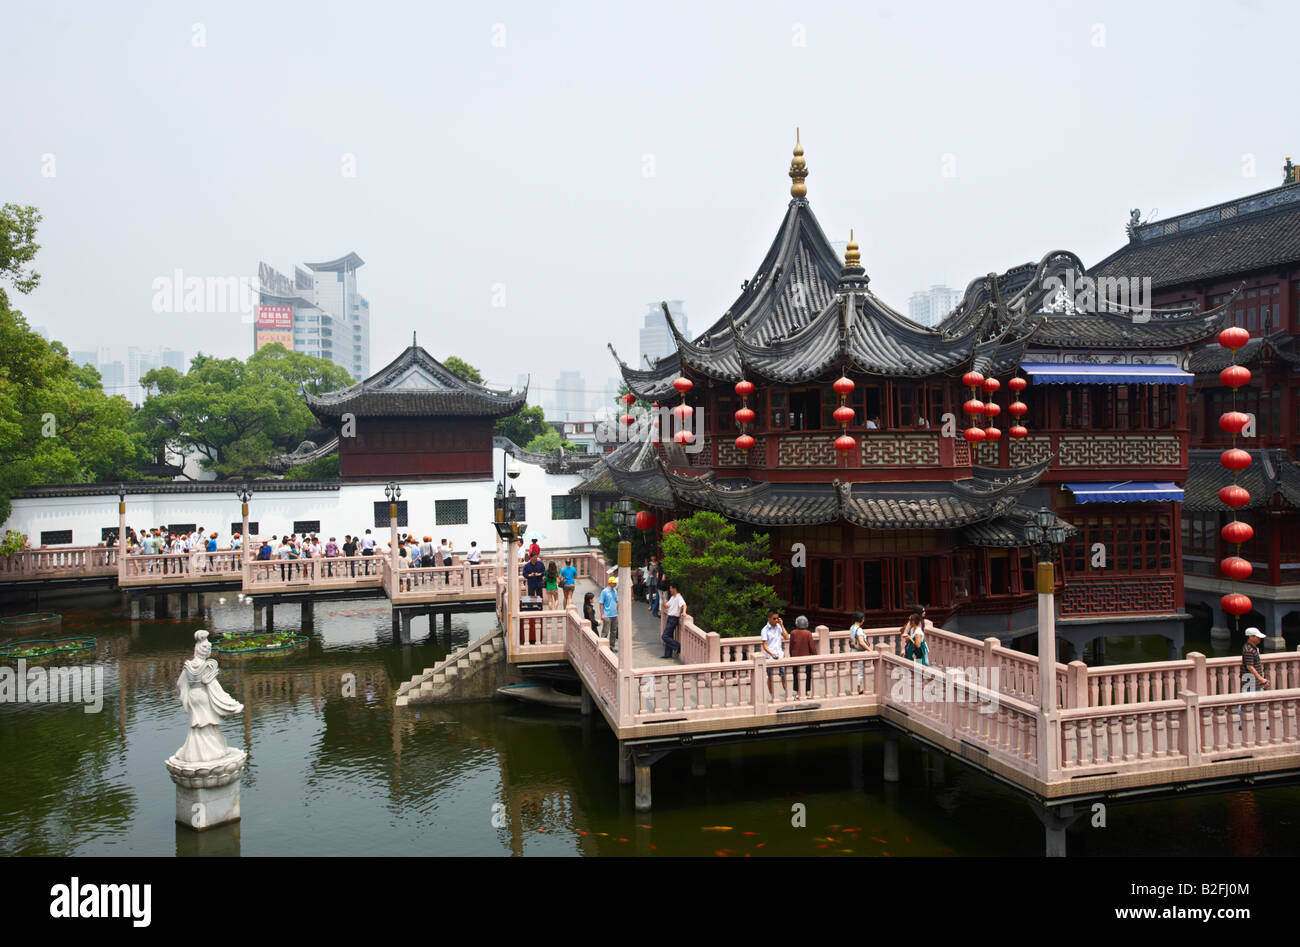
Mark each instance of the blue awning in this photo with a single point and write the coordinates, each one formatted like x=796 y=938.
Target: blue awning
x=1045 y=373
x=1130 y=491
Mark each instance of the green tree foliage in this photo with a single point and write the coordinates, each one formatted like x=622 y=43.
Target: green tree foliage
x=462 y=369
x=56 y=423
x=644 y=541
x=235 y=414
x=548 y=440
x=322 y=468
x=724 y=581
x=524 y=425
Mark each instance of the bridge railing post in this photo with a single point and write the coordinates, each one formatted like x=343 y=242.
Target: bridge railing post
x=1199 y=682
x=715 y=647
x=823 y=640
x=1192 y=728
x=1076 y=690
x=759 y=687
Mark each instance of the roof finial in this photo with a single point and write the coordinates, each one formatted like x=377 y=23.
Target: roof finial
x=798 y=170
x=412 y=338
x=851 y=255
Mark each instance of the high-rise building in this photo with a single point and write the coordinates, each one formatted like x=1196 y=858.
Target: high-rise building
x=570 y=395
x=928 y=307
x=113 y=377
x=319 y=312
x=656 y=340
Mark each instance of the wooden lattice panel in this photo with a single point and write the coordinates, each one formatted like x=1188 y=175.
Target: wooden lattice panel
x=1147 y=594
x=806 y=450
x=1029 y=450
x=960 y=452
x=731 y=456
x=1111 y=450
x=900 y=450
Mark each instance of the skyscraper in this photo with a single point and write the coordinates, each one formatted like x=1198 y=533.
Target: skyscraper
x=930 y=306
x=319 y=312
x=570 y=395
x=656 y=340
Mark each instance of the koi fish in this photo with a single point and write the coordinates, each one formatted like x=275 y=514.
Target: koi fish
x=715 y=828
x=880 y=840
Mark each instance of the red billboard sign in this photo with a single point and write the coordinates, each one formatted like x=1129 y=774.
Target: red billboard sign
x=275 y=317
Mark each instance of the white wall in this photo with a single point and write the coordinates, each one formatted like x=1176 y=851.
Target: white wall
x=347 y=509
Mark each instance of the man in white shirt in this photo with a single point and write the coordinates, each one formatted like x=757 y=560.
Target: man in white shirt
x=673 y=609
x=774 y=638
x=444 y=558
x=367 y=544
x=472 y=557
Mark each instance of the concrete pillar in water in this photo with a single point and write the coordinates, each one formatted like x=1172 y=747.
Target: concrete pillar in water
x=257 y=617
x=1055 y=822
x=699 y=761
x=624 y=764
x=173 y=604
x=446 y=623
x=270 y=617
x=135 y=609
x=1098 y=650
x=308 y=614
x=184 y=601
x=160 y=606
x=587 y=705
x=891 y=759
x=642 y=767
x=192 y=603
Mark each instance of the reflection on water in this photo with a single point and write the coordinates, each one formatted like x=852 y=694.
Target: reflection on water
x=334 y=770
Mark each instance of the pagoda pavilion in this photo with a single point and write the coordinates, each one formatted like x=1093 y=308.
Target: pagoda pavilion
x=843 y=430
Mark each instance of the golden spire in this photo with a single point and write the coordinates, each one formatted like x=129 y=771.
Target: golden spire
x=851 y=255
x=798 y=170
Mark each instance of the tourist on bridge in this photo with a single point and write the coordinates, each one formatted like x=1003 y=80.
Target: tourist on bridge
x=802 y=646
x=674 y=607
x=534 y=571
x=534 y=549
x=444 y=553
x=652 y=581
x=1252 y=668
x=473 y=557
x=916 y=649
x=568 y=580
x=552 y=585
x=608 y=612
x=858 y=642
x=523 y=553
x=589 y=611
x=915 y=622
x=774 y=638
x=426 y=554
x=367 y=544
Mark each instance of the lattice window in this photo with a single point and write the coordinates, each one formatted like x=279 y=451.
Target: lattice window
x=56 y=537
x=381 y=513
x=239 y=526
x=565 y=507
x=306 y=526
x=451 y=512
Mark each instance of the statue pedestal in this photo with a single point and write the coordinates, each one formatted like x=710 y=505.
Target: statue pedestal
x=207 y=794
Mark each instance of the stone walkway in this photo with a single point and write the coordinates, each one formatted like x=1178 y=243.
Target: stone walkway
x=647 y=650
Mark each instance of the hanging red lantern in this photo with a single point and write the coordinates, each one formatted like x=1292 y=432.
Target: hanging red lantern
x=973 y=407
x=744 y=388
x=670 y=527
x=1234 y=567
x=683 y=385
x=973 y=434
x=992 y=409
x=1235 y=459
x=844 y=442
x=1237 y=532
x=1233 y=421
x=683 y=411
x=843 y=414
x=843 y=385
x=683 y=437
x=1235 y=603
x=1234 y=337
x=1018 y=431
x=744 y=415
x=1234 y=376
x=1234 y=496
x=1018 y=408
x=628 y=419
x=972 y=379
x=991 y=434
x=744 y=442
x=991 y=385
x=629 y=399
x=1017 y=384
x=645 y=520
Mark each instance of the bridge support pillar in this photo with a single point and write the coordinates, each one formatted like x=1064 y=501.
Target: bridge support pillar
x=308 y=614
x=173 y=605
x=134 y=609
x=270 y=617
x=446 y=623
x=1055 y=822
x=184 y=603
x=642 y=768
x=1098 y=650
x=587 y=705
x=624 y=764
x=699 y=761
x=891 y=759
x=194 y=603
x=257 y=617
x=160 y=606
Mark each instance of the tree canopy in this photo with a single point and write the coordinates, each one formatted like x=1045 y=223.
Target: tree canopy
x=548 y=440
x=462 y=369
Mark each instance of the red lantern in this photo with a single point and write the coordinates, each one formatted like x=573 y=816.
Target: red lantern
x=645 y=520
x=844 y=442
x=992 y=409
x=1233 y=421
x=843 y=385
x=744 y=442
x=1237 y=532
x=1017 y=384
x=683 y=411
x=1234 y=496
x=744 y=415
x=683 y=385
x=744 y=388
x=1019 y=431
x=973 y=434
x=1234 y=567
x=973 y=407
x=1234 y=376
x=991 y=434
x=628 y=419
x=972 y=379
x=843 y=414
x=1235 y=603
x=683 y=437
x=1235 y=459
x=1234 y=337
x=991 y=385
x=670 y=527
x=1018 y=408
x=629 y=399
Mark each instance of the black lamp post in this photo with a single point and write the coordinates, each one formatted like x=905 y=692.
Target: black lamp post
x=245 y=494
x=1045 y=536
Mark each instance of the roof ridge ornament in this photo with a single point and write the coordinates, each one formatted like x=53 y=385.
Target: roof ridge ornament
x=851 y=255
x=798 y=171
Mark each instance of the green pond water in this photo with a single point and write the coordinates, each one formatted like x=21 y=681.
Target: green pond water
x=332 y=775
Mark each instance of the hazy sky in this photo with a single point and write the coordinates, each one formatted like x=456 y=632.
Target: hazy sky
x=588 y=158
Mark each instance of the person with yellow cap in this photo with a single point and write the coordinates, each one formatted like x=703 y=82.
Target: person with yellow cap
x=608 y=610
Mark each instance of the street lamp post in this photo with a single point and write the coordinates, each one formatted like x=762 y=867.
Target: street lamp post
x=245 y=494
x=394 y=493
x=121 y=533
x=1046 y=535
x=506 y=520
x=625 y=520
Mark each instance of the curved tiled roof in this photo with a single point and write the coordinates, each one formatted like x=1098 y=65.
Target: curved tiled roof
x=1009 y=530
x=1213 y=359
x=1272 y=473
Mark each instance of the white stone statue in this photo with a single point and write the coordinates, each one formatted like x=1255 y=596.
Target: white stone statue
x=205 y=769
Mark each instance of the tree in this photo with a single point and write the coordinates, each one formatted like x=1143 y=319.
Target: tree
x=644 y=541
x=548 y=440
x=724 y=581
x=56 y=422
x=235 y=414
x=322 y=468
x=462 y=369
x=522 y=426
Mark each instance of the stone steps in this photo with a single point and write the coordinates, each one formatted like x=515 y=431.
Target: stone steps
x=449 y=679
